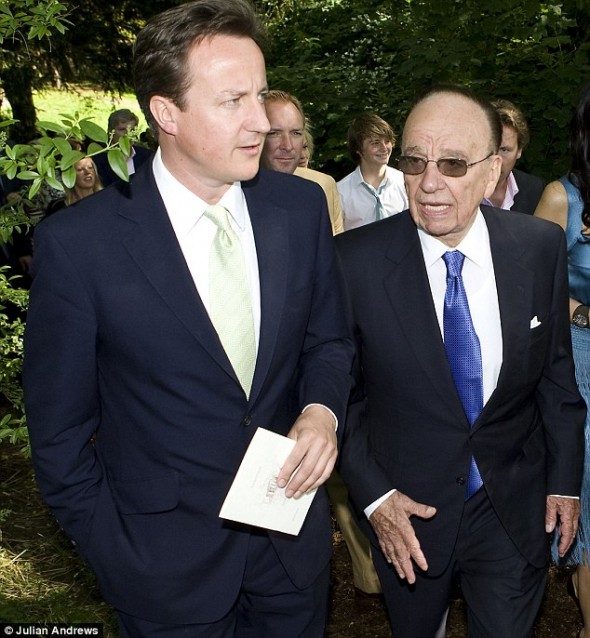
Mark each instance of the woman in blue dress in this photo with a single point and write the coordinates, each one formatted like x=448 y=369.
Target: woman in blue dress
x=567 y=202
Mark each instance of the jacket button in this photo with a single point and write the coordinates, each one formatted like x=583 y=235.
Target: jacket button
x=247 y=420
x=460 y=480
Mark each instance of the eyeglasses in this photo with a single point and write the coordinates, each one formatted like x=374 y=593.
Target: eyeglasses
x=448 y=166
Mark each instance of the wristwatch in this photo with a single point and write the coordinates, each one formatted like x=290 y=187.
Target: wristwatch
x=580 y=316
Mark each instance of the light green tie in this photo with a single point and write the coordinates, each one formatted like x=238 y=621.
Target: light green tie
x=229 y=297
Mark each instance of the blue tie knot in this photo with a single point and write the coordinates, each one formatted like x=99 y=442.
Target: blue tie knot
x=454 y=261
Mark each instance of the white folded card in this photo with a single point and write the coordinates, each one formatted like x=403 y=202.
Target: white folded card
x=255 y=498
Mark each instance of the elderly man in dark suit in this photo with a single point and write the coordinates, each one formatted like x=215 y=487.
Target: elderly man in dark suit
x=145 y=382
x=464 y=437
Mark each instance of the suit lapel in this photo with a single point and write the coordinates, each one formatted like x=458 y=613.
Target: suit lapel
x=270 y=225
x=410 y=297
x=514 y=283
x=149 y=238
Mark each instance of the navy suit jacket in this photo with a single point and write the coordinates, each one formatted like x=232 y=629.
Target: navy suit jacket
x=406 y=427
x=530 y=189
x=106 y=173
x=137 y=421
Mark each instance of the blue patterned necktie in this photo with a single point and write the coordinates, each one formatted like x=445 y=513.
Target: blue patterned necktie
x=463 y=352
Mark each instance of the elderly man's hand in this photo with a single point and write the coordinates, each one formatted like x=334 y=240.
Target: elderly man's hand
x=567 y=510
x=312 y=459
x=398 y=542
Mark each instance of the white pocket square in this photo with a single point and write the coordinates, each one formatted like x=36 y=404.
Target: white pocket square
x=535 y=322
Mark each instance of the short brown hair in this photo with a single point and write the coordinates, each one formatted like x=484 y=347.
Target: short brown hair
x=511 y=115
x=163 y=45
x=121 y=116
x=367 y=126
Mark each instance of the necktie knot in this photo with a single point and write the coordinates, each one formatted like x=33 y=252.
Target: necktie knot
x=454 y=260
x=219 y=216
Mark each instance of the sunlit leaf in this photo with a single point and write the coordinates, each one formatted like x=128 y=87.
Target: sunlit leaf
x=54 y=183
x=35 y=187
x=125 y=145
x=94 y=132
x=118 y=163
x=68 y=177
x=70 y=158
x=51 y=126
x=61 y=145
x=94 y=148
x=26 y=175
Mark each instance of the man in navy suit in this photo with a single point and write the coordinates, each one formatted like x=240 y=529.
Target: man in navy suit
x=515 y=190
x=447 y=495
x=138 y=419
x=120 y=123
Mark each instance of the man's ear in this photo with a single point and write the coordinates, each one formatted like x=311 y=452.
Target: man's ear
x=493 y=176
x=164 y=111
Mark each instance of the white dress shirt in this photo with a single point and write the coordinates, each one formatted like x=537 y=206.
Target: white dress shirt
x=358 y=204
x=195 y=233
x=511 y=193
x=480 y=286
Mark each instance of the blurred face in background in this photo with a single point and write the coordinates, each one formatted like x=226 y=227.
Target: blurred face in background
x=85 y=175
x=283 y=146
x=375 y=152
x=122 y=128
x=510 y=152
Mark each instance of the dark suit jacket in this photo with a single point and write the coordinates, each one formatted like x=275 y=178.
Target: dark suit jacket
x=530 y=189
x=407 y=428
x=106 y=173
x=118 y=343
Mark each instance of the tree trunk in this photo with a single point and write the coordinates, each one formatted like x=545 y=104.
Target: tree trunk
x=18 y=88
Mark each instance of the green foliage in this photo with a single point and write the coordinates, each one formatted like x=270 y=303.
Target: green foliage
x=340 y=57
x=31 y=19
x=39 y=163
x=49 y=161
x=12 y=425
x=343 y=57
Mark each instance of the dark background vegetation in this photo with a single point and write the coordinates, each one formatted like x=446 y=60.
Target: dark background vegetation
x=341 y=57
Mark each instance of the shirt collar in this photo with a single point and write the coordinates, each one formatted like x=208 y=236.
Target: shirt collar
x=473 y=245
x=185 y=209
x=511 y=192
x=361 y=180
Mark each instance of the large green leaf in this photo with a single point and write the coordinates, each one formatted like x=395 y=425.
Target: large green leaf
x=93 y=131
x=70 y=158
x=118 y=163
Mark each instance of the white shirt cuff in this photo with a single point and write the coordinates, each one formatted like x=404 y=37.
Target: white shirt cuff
x=375 y=504
x=325 y=408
